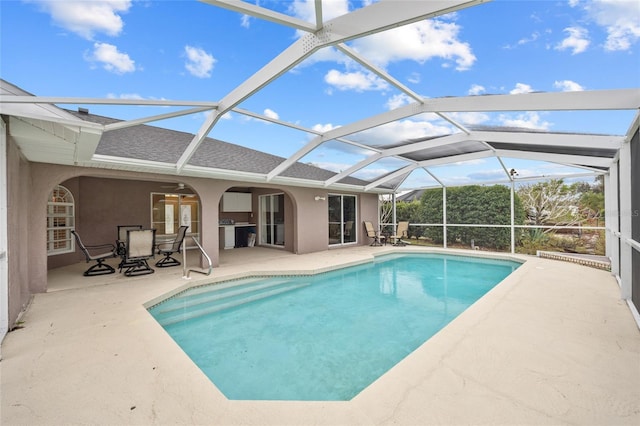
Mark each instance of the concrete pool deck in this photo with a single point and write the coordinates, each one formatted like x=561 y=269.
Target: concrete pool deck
x=552 y=344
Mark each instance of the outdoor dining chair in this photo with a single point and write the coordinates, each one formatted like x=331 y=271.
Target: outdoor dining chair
x=98 y=253
x=139 y=247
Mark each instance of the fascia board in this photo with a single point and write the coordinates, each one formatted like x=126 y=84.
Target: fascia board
x=86 y=144
x=131 y=163
x=42 y=101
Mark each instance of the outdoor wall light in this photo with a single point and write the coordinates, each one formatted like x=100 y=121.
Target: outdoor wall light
x=319 y=198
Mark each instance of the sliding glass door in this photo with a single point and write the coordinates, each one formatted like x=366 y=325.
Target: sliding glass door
x=272 y=219
x=342 y=219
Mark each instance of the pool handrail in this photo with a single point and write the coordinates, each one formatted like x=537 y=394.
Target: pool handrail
x=186 y=273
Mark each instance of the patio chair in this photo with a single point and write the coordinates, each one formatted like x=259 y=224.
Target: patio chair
x=171 y=247
x=98 y=253
x=121 y=243
x=373 y=234
x=402 y=231
x=139 y=247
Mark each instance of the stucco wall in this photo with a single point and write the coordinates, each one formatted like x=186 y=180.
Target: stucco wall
x=107 y=198
x=18 y=219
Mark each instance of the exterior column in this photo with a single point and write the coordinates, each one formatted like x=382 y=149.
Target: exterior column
x=513 y=230
x=624 y=216
x=611 y=218
x=444 y=216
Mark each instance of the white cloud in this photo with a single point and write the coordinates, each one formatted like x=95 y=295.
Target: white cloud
x=334 y=167
x=271 y=114
x=396 y=101
x=245 y=21
x=414 y=78
x=521 y=88
x=371 y=174
x=525 y=120
x=469 y=118
x=199 y=62
x=86 y=18
x=323 y=128
x=111 y=59
x=131 y=96
x=533 y=37
x=568 y=86
x=619 y=18
x=476 y=89
x=577 y=40
x=305 y=9
x=358 y=81
x=420 y=42
x=226 y=116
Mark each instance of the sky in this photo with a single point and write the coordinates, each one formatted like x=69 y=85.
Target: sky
x=188 y=50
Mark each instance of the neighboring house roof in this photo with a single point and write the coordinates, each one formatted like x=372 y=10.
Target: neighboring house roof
x=410 y=196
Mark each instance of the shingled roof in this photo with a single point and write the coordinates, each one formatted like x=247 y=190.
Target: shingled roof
x=150 y=143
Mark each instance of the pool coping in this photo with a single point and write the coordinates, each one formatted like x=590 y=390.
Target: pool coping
x=552 y=343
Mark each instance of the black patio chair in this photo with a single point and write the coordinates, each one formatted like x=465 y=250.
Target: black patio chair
x=98 y=253
x=121 y=243
x=139 y=247
x=170 y=247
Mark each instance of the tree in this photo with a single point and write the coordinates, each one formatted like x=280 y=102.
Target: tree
x=548 y=202
x=591 y=199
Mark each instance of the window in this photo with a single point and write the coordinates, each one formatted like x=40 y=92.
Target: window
x=60 y=221
x=170 y=211
x=342 y=219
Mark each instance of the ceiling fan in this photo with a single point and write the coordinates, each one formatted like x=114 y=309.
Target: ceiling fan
x=180 y=187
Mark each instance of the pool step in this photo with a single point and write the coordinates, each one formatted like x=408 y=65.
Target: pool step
x=178 y=310
x=209 y=294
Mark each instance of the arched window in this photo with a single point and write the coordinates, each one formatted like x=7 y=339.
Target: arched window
x=60 y=221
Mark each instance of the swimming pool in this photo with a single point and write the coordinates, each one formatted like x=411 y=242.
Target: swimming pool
x=326 y=336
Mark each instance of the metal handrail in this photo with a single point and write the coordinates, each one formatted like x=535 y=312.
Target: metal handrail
x=186 y=273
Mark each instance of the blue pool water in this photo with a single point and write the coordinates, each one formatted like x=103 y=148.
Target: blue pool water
x=322 y=337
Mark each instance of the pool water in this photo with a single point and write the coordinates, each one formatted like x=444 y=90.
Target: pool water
x=327 y=336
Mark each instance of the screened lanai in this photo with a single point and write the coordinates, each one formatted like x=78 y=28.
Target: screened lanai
x=446 y=134
x=317 y=98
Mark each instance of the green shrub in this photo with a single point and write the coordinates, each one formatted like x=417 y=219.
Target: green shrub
x=474 y=204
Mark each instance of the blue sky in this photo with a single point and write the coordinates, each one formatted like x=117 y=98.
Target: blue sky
x=187 y=50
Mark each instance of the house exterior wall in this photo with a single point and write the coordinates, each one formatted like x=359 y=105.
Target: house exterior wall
x=107 y=198
x=20 y=278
